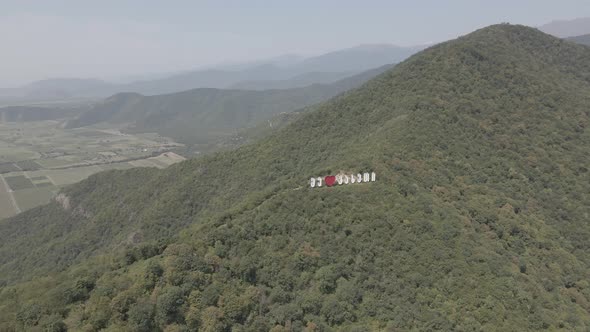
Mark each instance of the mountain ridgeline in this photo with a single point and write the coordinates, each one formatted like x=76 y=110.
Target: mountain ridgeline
x=479 y=218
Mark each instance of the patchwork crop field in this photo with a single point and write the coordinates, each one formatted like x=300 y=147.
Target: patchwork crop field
x=39 y=158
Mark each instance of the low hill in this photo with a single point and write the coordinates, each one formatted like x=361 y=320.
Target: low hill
x=198 y=116
x=478 y=219
x=583 y=39
x=58 y=88
x=35 y=113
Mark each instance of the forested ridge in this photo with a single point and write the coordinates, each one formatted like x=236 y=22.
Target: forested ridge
x=479 y=218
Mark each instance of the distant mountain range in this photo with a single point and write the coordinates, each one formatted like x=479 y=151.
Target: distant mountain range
x=57 y=88
x=286 y=72
x=358 y=58
x=567 y=28
x=294 y=82
x=284 y=60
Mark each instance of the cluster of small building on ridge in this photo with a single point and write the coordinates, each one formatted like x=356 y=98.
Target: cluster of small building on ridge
x=340 y=179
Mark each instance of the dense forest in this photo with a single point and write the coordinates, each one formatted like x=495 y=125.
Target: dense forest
x=479 y=218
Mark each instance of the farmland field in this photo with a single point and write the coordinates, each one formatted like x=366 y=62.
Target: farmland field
x=18 y=182
x=39 y=158
x=8 y=167
x=29 y=198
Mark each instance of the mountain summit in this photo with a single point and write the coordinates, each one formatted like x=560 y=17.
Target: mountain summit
x=478 y=220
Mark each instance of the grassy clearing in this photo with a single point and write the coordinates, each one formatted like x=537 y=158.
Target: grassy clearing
x=143 y=163
x=173 y=156
x=166 y=159
x=158 y=163
x=107 y=167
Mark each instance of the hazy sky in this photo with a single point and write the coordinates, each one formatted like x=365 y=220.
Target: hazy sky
x=117 y=38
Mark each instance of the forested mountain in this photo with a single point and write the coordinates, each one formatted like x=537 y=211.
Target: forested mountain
x=197 y=116
x=478 y=220
x=583 y=39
